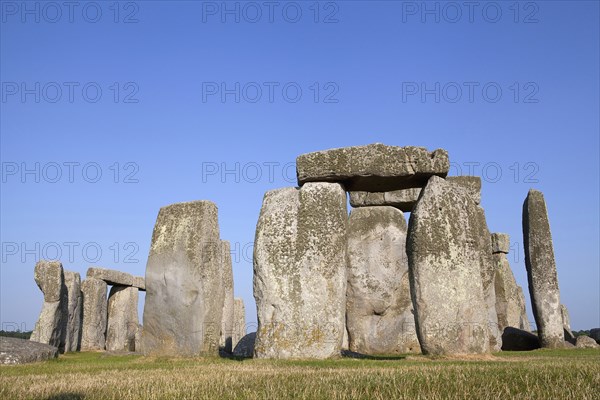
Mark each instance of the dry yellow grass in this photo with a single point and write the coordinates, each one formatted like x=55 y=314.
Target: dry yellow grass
x=559 y=374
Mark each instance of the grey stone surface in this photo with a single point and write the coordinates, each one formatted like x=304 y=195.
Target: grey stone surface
x=113 y=277
x=541 y=270
x=138 y=338
x=472 y=184
x=403 y=199
x=184 y=283
x=510 y=302
x=373 y=168
x=245 y=347
x=451 y=313
x=500 y=243
x=514 y=339
x=586 y=342
x=74 y=311
x=568 y=334
x=227 y=321
x=51 y=326
x=379 y=312
x=20 y=351
x=300 y=272
x=123 y=319
x=239 y=321
x=93 y=337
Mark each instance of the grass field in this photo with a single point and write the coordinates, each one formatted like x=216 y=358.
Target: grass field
x=541 y=374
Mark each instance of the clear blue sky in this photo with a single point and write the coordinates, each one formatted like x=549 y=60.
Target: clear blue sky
x=367 y=72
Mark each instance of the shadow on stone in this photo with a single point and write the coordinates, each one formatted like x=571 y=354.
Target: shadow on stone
x=353 y=354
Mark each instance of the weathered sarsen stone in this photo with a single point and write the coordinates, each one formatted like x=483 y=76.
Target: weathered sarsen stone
x=472 y=184
x=123 y=322
x=379 y=312
x=20 y=351
x=225 y=340
x=300 y=272
x=373 y=168
x=445 y=271
x=541 y=270
x=113 y=277
x=403 y=199
x=94 y=314
x=51 y=327
x=239 y=322
x=74 y=311
x=184 y=283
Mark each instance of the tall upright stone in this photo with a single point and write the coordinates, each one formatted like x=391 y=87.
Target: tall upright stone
x=51 y=326
x=541 y=270
x=444 y=258
x=510 y=302
x=379 y=311
x=184 y=283
x=74 y=311
x=227 y=321
x=239 y=322
x=123 y=322
x=93 y=337
x=300 y=272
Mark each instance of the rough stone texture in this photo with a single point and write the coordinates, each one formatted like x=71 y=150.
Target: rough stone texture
x=118 y=278
x=451 y=314
x=138 y=338
x=239 y=322
x=379 y=312
x=514 y=339
x=245 y=347
x=74 y=311
x=595 y=334
x=51 y=326
x=373 y=168
x=541 y=270
x=568 y=334
x=300 y=272
x=472 y=184
x=510 y=302
x=122 y=318
x=586 y=342
x=500 y=243
x=404 y=199
x=345 y=340
x=184 y=282
x=227 y=321
x=94 y=314
x=21 y=351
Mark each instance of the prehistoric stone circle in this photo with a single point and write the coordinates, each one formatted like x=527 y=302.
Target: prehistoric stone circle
x=184 y=283
x=379 y=312
x=93 y=337
x=403 y=199
x=373 y=168
x=300 y=272
x=227 y=321
x=51 y=327
x=541 y=270
x=239 y=322
x=444 y=257
x=74 y=311
x=122 y=323
x=117 y=278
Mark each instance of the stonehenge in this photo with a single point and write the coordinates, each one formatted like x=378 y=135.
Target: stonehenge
x=325 y=278
x=541 y=270
x=300 y=272
x=184 y=283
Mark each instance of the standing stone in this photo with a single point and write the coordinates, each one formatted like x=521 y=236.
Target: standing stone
x=184 y=282
x=541 y=270
x=373 y=168
x=239 y=322
x=138 y=338
x=568 y=334
x=228 y=306
x=300 y=272
x=74 y=310
x=472 y=184
x=510 y=302
x=445 y=271
x=122 y=318
x=379 y=311
x=51 y=327
x=94 y=314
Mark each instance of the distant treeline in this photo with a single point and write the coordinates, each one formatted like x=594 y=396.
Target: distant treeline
x=16 y=334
